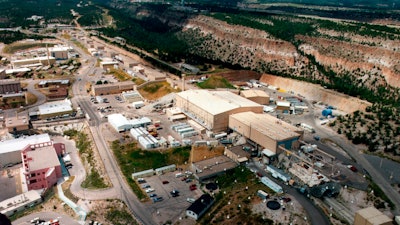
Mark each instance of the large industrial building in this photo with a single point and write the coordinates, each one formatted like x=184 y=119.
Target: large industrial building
x=37 y=61
x=10 y=150
x=265 y=130
x=211 y=109
x=371 y=216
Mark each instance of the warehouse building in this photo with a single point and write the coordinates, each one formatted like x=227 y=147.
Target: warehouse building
x=132 y=96
x=60 y=52
x=43 y=61
x=259 y=96
x=371 y=216
x=120 y=123
x=211 y=109
x=10 y=150
x=55 y=109
x=115 y=88
x=265 y=130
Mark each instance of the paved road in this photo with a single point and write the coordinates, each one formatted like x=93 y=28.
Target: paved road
x=120 y=188
x=363 y=164
x=314 y=214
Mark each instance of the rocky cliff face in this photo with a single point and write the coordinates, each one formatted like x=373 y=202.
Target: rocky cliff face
x=247 y=47
x=369 y=61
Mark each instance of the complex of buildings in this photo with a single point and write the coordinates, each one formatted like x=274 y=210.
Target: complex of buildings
x=211 y=109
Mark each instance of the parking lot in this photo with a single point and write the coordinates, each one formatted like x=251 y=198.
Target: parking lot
x=170 y=208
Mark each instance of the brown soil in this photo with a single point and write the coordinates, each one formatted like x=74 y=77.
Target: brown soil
x=202 y=152
x=317 y=93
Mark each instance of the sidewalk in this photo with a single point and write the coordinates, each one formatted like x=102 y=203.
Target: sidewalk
x=77 y=209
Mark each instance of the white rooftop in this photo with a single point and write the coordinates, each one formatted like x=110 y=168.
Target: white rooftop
x=18 y=200
x=55 y=107
x=216 y=102
x=60 y=48
x=20 y=143
x=118 y=119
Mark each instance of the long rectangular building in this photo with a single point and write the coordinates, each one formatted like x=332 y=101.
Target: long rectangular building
x=211 y=109
x=266 y=130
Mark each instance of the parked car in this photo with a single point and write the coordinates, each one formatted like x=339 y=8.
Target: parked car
x=352 y=168
x=141 y=180
x=193 y=187
x=157 y=199
x=165 y=182
x=152 y=195
x=174 y=193
x=188 y=180
x=148 y=190
x=190 y=200
x=146 y=186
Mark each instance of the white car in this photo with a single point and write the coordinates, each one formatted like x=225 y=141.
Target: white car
x=148 y=190
x=190 y=200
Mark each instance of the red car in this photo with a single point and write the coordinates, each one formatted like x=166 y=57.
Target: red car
x=193 y=187
x=165 y=182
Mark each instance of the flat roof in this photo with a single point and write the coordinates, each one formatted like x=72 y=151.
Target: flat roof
x=33 y=59
x=9 y=81
x=268 y=125
x=10 y=204
x=118 y=119
x=39 y=162
x=55 y=107
x=215 y=165
x=283 y=103
x=20 y=143
x=253 y=93
x=16 y=121
x=369 y=212
x=216 y=102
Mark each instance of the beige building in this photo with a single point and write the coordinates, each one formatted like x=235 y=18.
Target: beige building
x=17 y=123
x=259 y=96
x=45 y=61
x=265 y=130
x=237 y=154
x=115 y=88
x=371 y=216
x=211 y=109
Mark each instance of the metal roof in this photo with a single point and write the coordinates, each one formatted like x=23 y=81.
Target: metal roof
x=268 y=125
x=216 y=102
x=20 y=143
x=55 y=107
x=251 y=93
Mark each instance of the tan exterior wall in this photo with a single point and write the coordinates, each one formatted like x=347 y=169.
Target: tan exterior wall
x=45 y=62
x=111 y=89
x=260 y=100
x=18 y=128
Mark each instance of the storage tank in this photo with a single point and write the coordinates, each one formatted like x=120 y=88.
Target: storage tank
x=327 y=112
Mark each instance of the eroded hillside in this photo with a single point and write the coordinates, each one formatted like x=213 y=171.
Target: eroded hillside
x=369 y=60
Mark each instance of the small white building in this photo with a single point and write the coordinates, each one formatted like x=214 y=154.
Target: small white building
x=119 y=122
x=20 y=202
x=200 y=206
